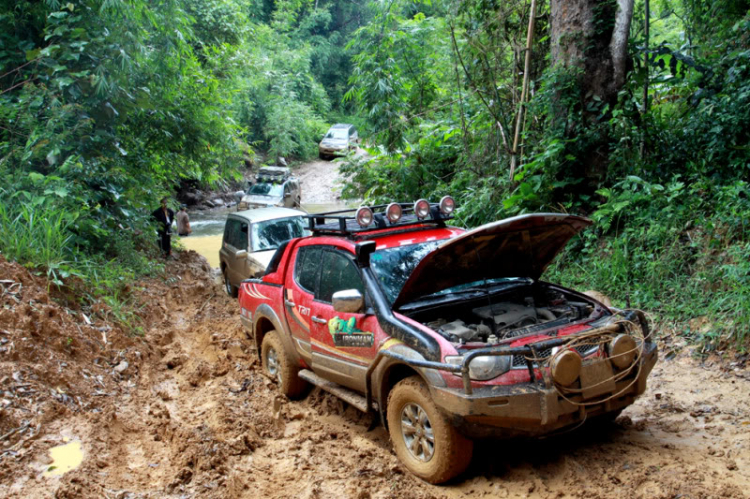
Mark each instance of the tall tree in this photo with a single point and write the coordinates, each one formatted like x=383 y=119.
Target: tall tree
x=589 y=38
x=592 y=35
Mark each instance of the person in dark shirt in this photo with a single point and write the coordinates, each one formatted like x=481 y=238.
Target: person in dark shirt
x=164 y=218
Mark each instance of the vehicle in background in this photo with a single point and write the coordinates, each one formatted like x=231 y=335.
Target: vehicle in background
x=251 y=238
x=274 y=186
x=448 y=335
x=339 y=139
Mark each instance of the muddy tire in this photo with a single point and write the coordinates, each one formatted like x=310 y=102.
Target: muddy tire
x=228 y=287
x=423 y=438
x=278 y=365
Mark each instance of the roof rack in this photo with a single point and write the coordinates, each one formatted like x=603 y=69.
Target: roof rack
x=273 y=174
x=344 y=222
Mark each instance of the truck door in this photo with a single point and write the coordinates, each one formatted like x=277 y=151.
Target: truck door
x=299 y=292
x=343 y=344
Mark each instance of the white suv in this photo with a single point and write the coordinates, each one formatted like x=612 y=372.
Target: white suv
x=339 y=139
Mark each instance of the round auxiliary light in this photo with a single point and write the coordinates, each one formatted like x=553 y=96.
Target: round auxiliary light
x=364 y=216
x=422 y=208
x=447 y=205
x=566 y=367
x=622 y=351
x=393 y=212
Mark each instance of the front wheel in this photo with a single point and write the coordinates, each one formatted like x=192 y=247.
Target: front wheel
x=423 y=438
x=228 y=287
x=277 y=364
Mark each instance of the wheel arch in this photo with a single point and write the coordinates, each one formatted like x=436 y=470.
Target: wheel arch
x=262 y=326
x=389 y=377
x=266 y=320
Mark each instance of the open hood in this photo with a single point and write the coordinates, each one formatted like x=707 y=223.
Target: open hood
x=521 y=246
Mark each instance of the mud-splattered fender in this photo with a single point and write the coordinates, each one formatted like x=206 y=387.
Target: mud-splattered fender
x=265 y=312
x=391 y=371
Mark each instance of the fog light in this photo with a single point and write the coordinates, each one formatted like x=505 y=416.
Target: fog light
x=566 y=367
x=447 y=205
x=364 y=216
x=422 y=208
x=393 y=212
x=622 y=351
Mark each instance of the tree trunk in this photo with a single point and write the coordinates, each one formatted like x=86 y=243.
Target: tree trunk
x=590 y=37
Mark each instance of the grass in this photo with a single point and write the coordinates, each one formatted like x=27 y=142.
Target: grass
x=687 y=267
x=41 y=238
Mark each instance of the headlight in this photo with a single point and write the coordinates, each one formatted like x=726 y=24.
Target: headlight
x=622 y=351
x=242 y=205
x=364 y=216
x=422 y=208
x=484 y=367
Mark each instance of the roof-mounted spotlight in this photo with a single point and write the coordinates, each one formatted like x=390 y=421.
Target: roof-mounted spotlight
x=422 y=209
x=364 y=216
x=447 y=205
x=393 y=212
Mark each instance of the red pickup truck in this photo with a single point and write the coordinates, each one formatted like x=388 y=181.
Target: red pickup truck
x=449 y=335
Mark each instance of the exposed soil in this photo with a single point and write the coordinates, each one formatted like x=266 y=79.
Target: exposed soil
x=321 y=180
x=191 y=415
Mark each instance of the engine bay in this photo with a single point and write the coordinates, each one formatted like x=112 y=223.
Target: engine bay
x=494 y=317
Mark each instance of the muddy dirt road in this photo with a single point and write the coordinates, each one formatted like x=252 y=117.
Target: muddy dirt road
x=191 y=415
x=184 y=411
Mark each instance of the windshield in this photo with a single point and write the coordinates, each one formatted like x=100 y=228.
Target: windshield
x=263 y=189
x=393 y=266
x=271 y=234
x=339 y=133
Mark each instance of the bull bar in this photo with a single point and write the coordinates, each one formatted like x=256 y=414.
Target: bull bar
x=526 y=350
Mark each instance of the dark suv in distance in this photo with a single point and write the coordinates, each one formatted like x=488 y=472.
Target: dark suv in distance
x=339 y=139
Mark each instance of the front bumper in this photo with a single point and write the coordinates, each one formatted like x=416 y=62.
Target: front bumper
x=535 y=409
x=333 y=151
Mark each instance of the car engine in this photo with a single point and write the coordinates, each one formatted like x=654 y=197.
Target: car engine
x=492 y=322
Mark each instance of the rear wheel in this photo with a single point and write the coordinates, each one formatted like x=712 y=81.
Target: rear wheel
x=278 y=365
x=423 y=438
x=228 y=287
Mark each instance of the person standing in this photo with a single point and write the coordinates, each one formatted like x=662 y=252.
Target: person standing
x=164 y=218
x=183 y=222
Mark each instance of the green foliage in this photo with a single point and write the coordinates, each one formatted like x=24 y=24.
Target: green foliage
x=679 y=250
x=656 y=180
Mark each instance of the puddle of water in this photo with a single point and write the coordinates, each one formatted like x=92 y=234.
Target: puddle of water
x=65 y=457
x=208 y=246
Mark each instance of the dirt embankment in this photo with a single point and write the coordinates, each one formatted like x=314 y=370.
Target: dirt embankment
x=192 y=416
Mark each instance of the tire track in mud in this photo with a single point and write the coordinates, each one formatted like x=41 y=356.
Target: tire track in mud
x=199 y=419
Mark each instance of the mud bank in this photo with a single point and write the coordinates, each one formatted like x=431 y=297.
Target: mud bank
x=192 y=416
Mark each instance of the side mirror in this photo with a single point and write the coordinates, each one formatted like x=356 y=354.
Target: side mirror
x=348 y=301
x=241 y=254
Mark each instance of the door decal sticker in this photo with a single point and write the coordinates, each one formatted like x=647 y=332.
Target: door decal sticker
x=253 y=291
x=346 y=334
x=295 y=312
